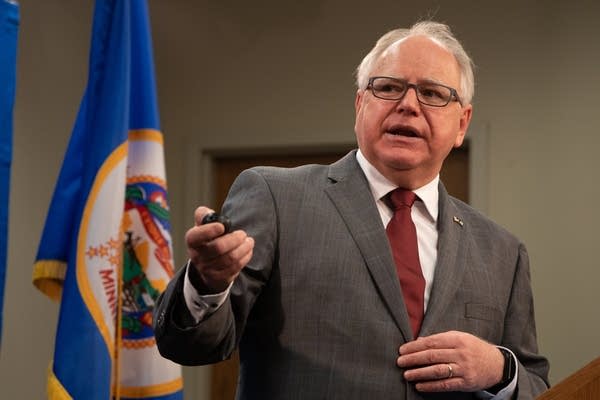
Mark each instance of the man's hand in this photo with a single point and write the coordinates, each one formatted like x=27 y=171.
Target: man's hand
x=216 y=259
x=451 y=361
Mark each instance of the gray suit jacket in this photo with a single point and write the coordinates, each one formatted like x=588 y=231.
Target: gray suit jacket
x=318 y=312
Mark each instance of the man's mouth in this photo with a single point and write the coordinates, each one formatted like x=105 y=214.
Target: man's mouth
x=403 y=131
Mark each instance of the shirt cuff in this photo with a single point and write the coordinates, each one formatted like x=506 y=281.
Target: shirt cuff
x=507 y=392
x=201 y=306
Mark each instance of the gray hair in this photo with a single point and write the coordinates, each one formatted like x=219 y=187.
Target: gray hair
x=437 y=32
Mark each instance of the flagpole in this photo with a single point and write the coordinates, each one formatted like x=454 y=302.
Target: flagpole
x=119 y=322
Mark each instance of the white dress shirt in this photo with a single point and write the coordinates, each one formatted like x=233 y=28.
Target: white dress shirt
x=424 y=214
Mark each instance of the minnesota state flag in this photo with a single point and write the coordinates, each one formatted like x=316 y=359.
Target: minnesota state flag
x=105 y=251
x=9 y=26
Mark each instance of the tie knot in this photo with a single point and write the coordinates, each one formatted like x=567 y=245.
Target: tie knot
x=402 y=197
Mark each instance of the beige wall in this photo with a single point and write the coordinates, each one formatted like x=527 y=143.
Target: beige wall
x=239 y=74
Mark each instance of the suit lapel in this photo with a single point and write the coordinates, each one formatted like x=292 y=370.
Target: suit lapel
x=352 y=197
x=449 y=269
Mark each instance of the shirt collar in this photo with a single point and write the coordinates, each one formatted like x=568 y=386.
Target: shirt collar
x=380 y=186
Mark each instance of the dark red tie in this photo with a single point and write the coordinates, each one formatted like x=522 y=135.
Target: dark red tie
x=402 y=235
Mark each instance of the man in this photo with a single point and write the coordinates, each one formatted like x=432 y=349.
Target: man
x=307 y=286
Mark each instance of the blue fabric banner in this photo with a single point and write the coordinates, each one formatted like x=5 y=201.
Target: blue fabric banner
x=105 y=251
x=9 y=27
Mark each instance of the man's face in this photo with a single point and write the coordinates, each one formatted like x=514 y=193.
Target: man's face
x=405 y=140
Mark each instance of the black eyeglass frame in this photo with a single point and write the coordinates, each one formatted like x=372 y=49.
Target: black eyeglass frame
x=453 y=93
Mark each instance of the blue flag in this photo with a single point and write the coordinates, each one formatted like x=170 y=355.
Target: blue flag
x=105 y=251
x=9 y=27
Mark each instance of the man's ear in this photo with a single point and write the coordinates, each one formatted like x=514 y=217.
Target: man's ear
x=358 y=100
x=465 y=120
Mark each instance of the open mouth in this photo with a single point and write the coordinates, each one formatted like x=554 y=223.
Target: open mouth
x=403 y=131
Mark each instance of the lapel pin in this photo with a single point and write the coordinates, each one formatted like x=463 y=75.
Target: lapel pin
x=458 y=220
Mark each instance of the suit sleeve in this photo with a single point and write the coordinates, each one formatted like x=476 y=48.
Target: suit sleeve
x=520 y=333
x=250 y=207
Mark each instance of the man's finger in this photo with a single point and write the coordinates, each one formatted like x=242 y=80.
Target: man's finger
x=445 y=340
x=200 y=212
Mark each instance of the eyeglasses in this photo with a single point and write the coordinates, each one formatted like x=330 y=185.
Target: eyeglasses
x=431 y=94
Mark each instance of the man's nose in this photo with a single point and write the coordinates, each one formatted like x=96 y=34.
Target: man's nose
x=409 y=102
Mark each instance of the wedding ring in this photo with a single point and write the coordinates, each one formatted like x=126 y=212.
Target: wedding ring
x=450 y=372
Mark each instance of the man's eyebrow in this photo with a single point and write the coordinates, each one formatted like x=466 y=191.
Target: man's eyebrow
x=432 y=80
